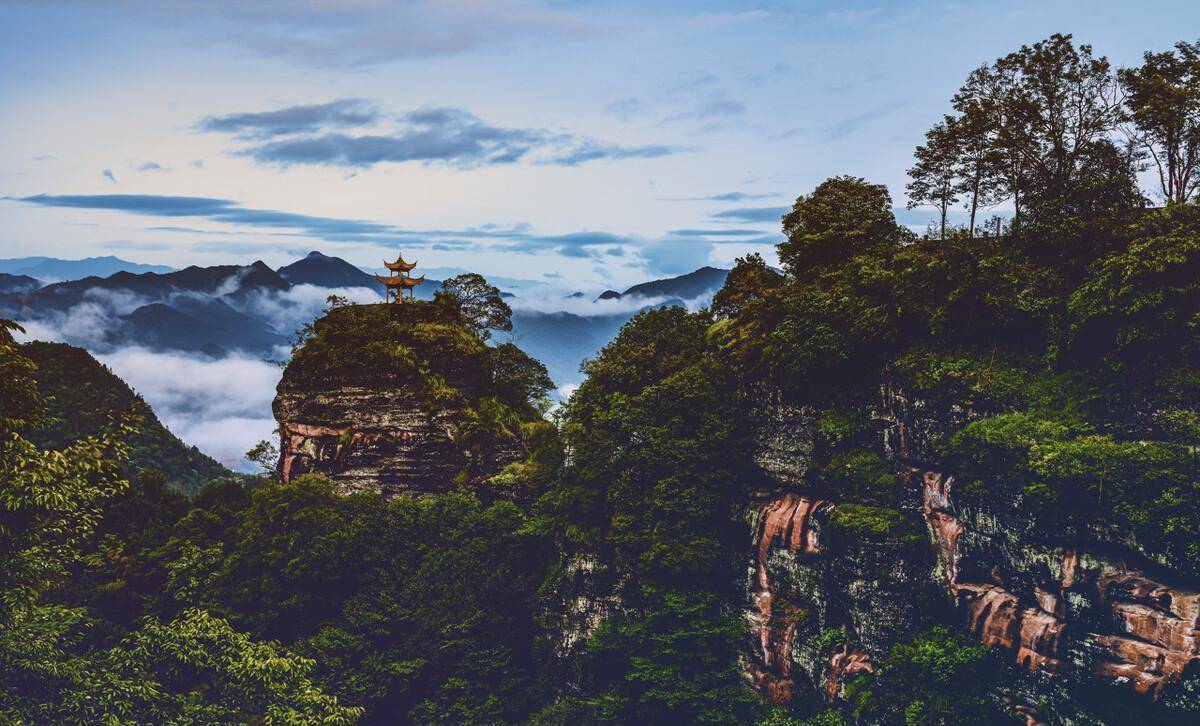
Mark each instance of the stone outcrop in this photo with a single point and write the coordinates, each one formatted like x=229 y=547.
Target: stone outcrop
x=807 y=579
x=783 y=522
x=1092 y=613
x=378 y=426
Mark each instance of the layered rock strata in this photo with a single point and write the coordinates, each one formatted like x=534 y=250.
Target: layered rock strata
x=807 y=579
x=379 y=428
x=1091 y=613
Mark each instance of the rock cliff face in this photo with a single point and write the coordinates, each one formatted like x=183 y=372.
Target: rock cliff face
x=1082 y=615
x=374 y=399
x=1062 y=611
x=808 y=579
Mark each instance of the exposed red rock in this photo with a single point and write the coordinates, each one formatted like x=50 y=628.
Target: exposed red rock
x=944 y=525
x=845 y=663
x=783 y=520
x=330 y=444
x=1159 y=625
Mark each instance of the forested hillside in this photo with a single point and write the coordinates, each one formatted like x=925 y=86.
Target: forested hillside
x=937 y=479
x=82 y=397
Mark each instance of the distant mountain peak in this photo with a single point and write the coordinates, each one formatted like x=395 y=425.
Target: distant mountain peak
x=322 y=270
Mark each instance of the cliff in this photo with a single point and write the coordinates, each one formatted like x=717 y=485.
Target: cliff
x=395 y=399
x=825 y=600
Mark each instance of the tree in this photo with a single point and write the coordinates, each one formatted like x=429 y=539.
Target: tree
x=934 y=178
x=194 y=669
x=266 y=454
x=1163 y=99
x=50 y=500
x=517 y=379
x=989 y=171
x=1062 y=101
x=748 y=283
x=479 y=302
x=843 y=217
x=653 y=493
x=940 y=677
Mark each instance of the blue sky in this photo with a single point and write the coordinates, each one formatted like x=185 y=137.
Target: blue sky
x=599 y=143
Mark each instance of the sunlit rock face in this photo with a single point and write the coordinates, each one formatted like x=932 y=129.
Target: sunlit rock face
x=1100 y=613
x=1063 y=611
x=376 y=426
x=807 y=579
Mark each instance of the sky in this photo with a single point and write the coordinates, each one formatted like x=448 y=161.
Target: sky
x=593 y=143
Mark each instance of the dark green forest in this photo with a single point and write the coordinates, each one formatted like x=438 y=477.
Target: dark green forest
x=81 y=396
x=1053 y=353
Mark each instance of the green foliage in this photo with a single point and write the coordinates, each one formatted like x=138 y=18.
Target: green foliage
x=843 y=217
x=779 y=717
x=82 y=397
x=1163 y=98
x=266 y=454
x=1065 y=480
x=416 y=606
x=65 y=510
x=518 y=379
x=679 y=662
x=50 y=500
x=480 y=303
x=652 y=491
x=856 y=522
x=413 y=339
x=940 y=677
x=194 y=669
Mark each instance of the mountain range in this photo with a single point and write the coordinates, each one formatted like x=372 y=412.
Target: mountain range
x=255 y=310
x=49 y=269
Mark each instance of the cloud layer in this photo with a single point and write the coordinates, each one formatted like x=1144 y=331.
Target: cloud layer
x=345 y=112
x=452 y=136
x=223 y=407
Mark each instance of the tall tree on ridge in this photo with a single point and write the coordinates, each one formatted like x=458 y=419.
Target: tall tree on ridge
x=934 y=178
x=1163 y=99
x=1064 y=100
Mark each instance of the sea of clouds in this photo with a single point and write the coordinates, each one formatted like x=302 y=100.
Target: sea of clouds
x=220 y=405
x=223 y=405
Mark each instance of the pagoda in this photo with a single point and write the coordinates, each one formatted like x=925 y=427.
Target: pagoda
x=397 y=283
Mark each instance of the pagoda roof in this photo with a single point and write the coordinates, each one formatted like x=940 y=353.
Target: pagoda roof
x=400 y=280
x=399 y=265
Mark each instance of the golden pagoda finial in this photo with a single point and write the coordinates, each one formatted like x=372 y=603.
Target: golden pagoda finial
x=397 y=284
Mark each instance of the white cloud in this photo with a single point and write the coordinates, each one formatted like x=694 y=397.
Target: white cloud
x=559 y=301
x=286 y=311
x=221 y=406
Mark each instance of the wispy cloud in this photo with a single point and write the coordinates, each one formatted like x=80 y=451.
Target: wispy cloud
x=450 y=136
x=150 y=166
x=342 y=113
x=713 y=109
x=216 y=210
x=667 y=254
x=516 y=238
x=723 y=197
x=751 y=214
x=626 y=108
x=715 y=232
x=108 y=174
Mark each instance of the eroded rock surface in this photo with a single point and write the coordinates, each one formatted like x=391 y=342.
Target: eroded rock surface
x=806 y=580
x=1130 y=630
x=378 y=427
